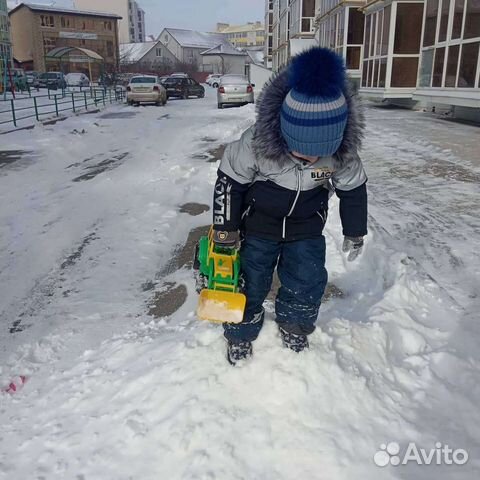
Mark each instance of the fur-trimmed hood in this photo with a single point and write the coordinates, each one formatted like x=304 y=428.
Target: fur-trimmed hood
x=268 y=142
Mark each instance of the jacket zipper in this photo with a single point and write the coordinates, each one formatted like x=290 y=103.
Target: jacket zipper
x=322 y=217
x=299 y=173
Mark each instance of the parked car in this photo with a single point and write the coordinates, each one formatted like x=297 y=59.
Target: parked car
x=214 y=80
x=234 y=90
x=31 y=77
x=179 y=74
x=163 y=79
x=51 y=80
x=146 y=89
x=183 y=87
x=77 y=80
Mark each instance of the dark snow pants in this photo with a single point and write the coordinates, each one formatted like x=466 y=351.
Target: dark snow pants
x=303 y=277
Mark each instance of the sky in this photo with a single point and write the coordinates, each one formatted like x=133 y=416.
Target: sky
x=200 y=15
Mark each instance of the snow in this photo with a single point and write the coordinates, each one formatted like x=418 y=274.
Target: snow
x=89 y=220
x=134 y=52
x=194 y=39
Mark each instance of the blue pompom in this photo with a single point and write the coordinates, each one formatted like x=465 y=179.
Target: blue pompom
x=318 y=72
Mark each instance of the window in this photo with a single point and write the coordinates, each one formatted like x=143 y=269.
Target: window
x=47 y=21
x=65 y=22
x=442 y=35
x=49 y=43
x=356 y=21
x=383 y=73
x=367 y=36
x=452 y=64
x=159 y=52
x=468 y=65
x=457 y=19
x=386 y=30
x=472 y=19
x=404 y=72
x=408 y=29
x=438 y=67
x=353 y=57
x=426 y=68
x=110 y=49
x=430 y=23
x=107 y=26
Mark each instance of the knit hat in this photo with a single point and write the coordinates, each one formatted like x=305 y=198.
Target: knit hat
x=314 y=113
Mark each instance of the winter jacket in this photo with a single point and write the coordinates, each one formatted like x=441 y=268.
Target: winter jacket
x=265 y=191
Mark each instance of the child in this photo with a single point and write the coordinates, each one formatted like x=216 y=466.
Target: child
x=273 y=186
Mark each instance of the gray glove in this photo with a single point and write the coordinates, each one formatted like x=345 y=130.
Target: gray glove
x=226 y=239
x=353 y=246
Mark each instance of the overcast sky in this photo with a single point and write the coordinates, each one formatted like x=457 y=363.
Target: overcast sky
x=200 y=15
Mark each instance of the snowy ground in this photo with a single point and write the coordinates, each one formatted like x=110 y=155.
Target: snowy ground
x=89 y=223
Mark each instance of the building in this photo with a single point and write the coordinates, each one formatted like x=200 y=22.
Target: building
x=224 y=59
x=39 y=29
x=131 y=27
x=292 y=19
x=242 y=36
x=5 y=41
x=340 y=27
x=147 y=56
x=187 y=46
x=268 y=45
x=449 y=71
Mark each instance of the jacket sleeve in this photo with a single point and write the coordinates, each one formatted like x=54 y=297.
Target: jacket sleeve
x=236 y=173
x=350 y=182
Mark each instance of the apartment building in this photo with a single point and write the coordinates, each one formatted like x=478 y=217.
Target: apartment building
x=449 y=71
x=242 y=36
x=39 y=29
x=340 y=27
x=268 y=44
x=292 y=20
x=5 y=40
x=131 y=26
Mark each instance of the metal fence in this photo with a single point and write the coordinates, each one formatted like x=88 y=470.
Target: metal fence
x=38 y=107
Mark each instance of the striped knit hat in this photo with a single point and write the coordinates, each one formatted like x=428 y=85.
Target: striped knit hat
x=314 y=113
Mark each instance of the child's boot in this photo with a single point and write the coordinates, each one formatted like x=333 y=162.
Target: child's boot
x=238 y=351
x=297 y=343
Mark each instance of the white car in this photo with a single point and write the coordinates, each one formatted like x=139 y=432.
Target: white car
x=214 y=80
x=77 y=80
x=146 y=89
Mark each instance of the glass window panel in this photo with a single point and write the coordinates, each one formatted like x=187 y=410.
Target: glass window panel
x=378 y=46
x=353 y=57
x=370 y=72
x=364 y=73
x=383 y=72
x=468 y=65
x=386 y=30
x=430 y=23
x=472 y=19
x=375 y=78
x=438 y=67
x=452 y=63
x=366 y=51
x=458 y=18
x=442 y=36
x=426 y=68
x=356 y=22
x=408 y=29
x=404 y=72
x=374 y=25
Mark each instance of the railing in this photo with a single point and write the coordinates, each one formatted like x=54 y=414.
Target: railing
x=38 y=107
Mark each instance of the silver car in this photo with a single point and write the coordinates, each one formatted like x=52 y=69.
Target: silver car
x=234 y=90
x=146 y=89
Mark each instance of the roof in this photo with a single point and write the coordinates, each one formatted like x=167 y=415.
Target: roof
x=134 y=52
x=47 y=8
x=257 y=56
x=59 y=52
x=223 y=49
x=249 y=27
x=194 y=39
